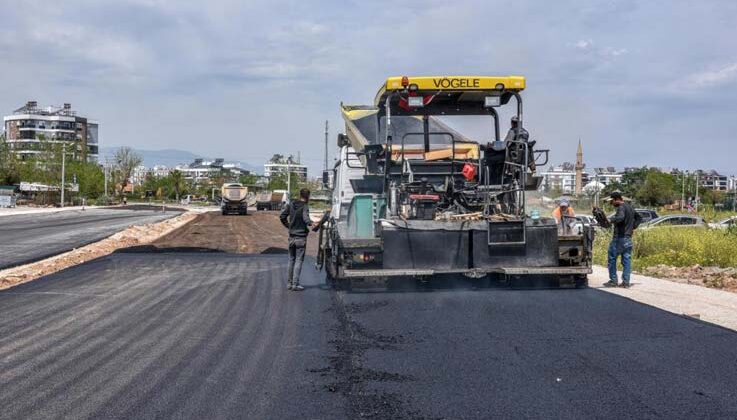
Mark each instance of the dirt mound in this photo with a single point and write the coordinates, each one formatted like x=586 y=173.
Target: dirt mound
x=715 y=277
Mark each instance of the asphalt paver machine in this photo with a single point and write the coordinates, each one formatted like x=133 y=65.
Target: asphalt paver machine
x=412 y=196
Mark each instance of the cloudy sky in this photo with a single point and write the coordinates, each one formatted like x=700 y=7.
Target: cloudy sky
x=641 y=83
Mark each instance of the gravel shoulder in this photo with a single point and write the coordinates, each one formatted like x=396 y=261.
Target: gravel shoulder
x=711 y=305
x=26 y=238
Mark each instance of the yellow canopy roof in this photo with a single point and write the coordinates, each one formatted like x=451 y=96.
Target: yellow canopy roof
x=454 y=83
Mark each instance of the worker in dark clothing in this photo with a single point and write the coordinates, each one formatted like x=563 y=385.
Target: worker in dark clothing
x=296 y=218
x=516 y=132
x=624 y=221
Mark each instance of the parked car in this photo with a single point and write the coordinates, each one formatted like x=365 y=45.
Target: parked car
x=647 y=215
x=724 y=224
x=675 y=220
x=584 y=220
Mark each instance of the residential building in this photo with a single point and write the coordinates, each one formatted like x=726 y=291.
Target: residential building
x=606 y=175
x=563 y=178
x=713 y=180
x=30 y=130
x=732 y=183
x=160 y=171
x=138 y=175
x=297 y=168
x=203 y=171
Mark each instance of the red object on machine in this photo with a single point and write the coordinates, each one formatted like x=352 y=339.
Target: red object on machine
x=469 y=171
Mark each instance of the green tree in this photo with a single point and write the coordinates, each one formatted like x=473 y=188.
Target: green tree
x=176 y=181
x=90 y=177
x=658 y=189
x=249 y=179
x=9 y=166
x=277 y=182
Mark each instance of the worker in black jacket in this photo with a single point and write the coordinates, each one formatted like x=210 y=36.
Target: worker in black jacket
x=624 y=221
x=296 y=218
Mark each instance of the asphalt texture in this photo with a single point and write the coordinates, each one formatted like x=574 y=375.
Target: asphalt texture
x=26 y=238
x=217 y=335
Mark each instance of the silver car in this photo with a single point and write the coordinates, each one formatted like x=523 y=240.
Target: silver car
x=675 y=220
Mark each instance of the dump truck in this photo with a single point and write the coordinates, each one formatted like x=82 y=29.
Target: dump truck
x=271 y=200
x=233 y=198
x=414 y=197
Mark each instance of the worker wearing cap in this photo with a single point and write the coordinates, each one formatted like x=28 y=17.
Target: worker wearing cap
x=296 y=218
x=563 y=209
x=625 y=221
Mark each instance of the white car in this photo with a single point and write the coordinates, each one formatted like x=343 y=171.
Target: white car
x=724 y=224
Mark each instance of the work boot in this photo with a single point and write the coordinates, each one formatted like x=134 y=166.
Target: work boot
x=297 y=288
x=610 y=283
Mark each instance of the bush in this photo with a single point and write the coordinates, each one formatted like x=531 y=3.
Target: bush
x=676 y=247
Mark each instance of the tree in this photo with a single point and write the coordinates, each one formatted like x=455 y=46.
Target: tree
x=277 y=182
x=127 y=160
x=658 y=189
x=176 y=179
x=90 y=177
x=277 y=158
x=9 y=168
x=249 y=179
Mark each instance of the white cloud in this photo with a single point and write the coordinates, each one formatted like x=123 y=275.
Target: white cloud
x=716 y=77
x=584 y=44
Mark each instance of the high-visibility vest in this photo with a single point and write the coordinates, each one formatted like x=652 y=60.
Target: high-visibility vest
x=557 y=216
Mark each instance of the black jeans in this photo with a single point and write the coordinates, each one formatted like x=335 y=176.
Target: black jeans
x=297 y=247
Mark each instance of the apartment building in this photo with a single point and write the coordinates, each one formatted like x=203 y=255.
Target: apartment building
x=31 y=130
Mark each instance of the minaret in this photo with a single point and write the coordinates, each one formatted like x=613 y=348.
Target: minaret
x=579 y=169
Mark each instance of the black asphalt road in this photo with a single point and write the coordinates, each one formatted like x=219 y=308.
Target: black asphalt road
x=26 y=238
x=214 y=335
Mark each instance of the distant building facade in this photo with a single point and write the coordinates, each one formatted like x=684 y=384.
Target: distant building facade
x=282 y=168
x=713 y=180
x=606 y=176
x=30 y=129
x=202 y=170
x=563 y=178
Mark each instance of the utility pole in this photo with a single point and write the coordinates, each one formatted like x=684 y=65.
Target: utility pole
x=63 y=170
x=326 y=146
x=697 y=191
x=683 y=188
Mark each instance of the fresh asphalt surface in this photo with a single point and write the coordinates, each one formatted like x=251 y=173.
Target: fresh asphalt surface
x=26 y=238
x=216 y=335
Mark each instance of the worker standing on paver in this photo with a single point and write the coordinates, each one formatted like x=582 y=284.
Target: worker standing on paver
x=624 y=221
x=562 y=215
x=296 y=218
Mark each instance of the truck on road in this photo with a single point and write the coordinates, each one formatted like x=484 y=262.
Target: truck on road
x=234 y=199
x=271 y=200
x=414 y=197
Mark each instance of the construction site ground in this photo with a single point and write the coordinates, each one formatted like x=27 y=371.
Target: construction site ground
x=175 y=332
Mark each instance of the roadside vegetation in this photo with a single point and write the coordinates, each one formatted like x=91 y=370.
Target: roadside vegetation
x=676 y=247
